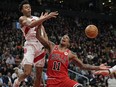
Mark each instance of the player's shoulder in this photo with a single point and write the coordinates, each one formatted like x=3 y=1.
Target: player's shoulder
x=35 y=17
x=22 y=18
x=52 y=45
x=72 y=53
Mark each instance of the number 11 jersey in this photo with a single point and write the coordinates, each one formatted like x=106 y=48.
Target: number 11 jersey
x=57 y=68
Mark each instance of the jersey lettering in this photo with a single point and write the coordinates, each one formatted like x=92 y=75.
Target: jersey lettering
x=56 y=65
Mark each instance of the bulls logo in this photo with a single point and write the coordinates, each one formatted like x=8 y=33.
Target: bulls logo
x=65 y=53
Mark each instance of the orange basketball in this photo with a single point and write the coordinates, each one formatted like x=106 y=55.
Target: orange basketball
x=91 y=31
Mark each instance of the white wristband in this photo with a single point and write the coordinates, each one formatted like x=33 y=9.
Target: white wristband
x=113 y=69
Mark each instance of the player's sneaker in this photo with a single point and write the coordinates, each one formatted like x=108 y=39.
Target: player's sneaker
x=16 y=83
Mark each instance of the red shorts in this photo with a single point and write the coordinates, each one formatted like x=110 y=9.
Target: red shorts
x=63 y=83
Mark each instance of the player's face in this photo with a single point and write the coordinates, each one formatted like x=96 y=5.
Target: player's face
x=26 y=10
x=65 y=40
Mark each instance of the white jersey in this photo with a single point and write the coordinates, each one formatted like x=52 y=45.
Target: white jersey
x=30 y=33
x=33 y=52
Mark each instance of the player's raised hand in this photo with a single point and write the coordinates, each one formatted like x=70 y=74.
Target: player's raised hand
x=43 y=15
x=102 y=72
x=53 y=14
x=47 y=15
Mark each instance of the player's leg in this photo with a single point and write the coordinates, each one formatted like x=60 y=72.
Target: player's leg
x=27 y=72
x=27 y=63
x=37 y=80
x=39 y=64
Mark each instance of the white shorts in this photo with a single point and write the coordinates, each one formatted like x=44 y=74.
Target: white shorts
x=33 y=54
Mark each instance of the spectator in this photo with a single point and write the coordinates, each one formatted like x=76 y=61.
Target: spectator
x=1 y=80
x=10 y=60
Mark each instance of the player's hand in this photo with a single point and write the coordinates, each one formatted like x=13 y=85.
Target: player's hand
x=102 y=72
x=52 y=14
x=47 y=15
x=103 y=67
x=43 y=15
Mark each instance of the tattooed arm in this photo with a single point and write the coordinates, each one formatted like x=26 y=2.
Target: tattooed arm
x=75 y=59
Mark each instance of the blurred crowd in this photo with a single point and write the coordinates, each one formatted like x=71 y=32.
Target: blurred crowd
x=96 y=51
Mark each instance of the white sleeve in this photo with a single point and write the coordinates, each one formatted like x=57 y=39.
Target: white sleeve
x=113 y=69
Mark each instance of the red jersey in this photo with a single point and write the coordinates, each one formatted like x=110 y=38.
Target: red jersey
x=57 y=70
x=58 y=64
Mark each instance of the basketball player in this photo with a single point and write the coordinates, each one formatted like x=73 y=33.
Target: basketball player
x=106 y=72
x=59 y=57
x=33 y=52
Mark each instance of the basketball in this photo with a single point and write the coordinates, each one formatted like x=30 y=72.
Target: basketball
x=91 y=31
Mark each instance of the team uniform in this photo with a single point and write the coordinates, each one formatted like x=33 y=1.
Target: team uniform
x=57 y=70
x=33 y=49
x=113 y=69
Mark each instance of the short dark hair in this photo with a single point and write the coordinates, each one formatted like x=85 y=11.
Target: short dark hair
x=22 y=3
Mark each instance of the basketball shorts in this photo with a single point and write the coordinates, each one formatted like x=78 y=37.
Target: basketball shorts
x=34 y=54
x=64 y=83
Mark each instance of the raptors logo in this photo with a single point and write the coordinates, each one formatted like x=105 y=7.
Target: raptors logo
x=25 y=50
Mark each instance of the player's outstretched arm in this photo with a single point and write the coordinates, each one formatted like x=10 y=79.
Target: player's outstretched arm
x=24 y=22
x=44 y=34
x=78 y=62
x=45 y=42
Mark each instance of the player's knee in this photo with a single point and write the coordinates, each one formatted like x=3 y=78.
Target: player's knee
x=27 y=70
x=27 y=73
x=38 y=76
x=39 y=71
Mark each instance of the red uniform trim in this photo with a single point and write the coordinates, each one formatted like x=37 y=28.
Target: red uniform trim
x=39 y=57
x=26 y=30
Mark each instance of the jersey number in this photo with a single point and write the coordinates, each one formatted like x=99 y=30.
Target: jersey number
x=56 y=65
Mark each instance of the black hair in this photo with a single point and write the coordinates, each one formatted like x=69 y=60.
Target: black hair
x=22 y=3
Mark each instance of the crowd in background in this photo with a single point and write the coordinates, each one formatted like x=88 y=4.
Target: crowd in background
x=96 y=51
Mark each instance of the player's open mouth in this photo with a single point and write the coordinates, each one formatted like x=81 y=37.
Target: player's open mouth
x=63 y=41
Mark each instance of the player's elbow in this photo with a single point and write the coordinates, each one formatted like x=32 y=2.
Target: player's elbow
x=82 y=67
